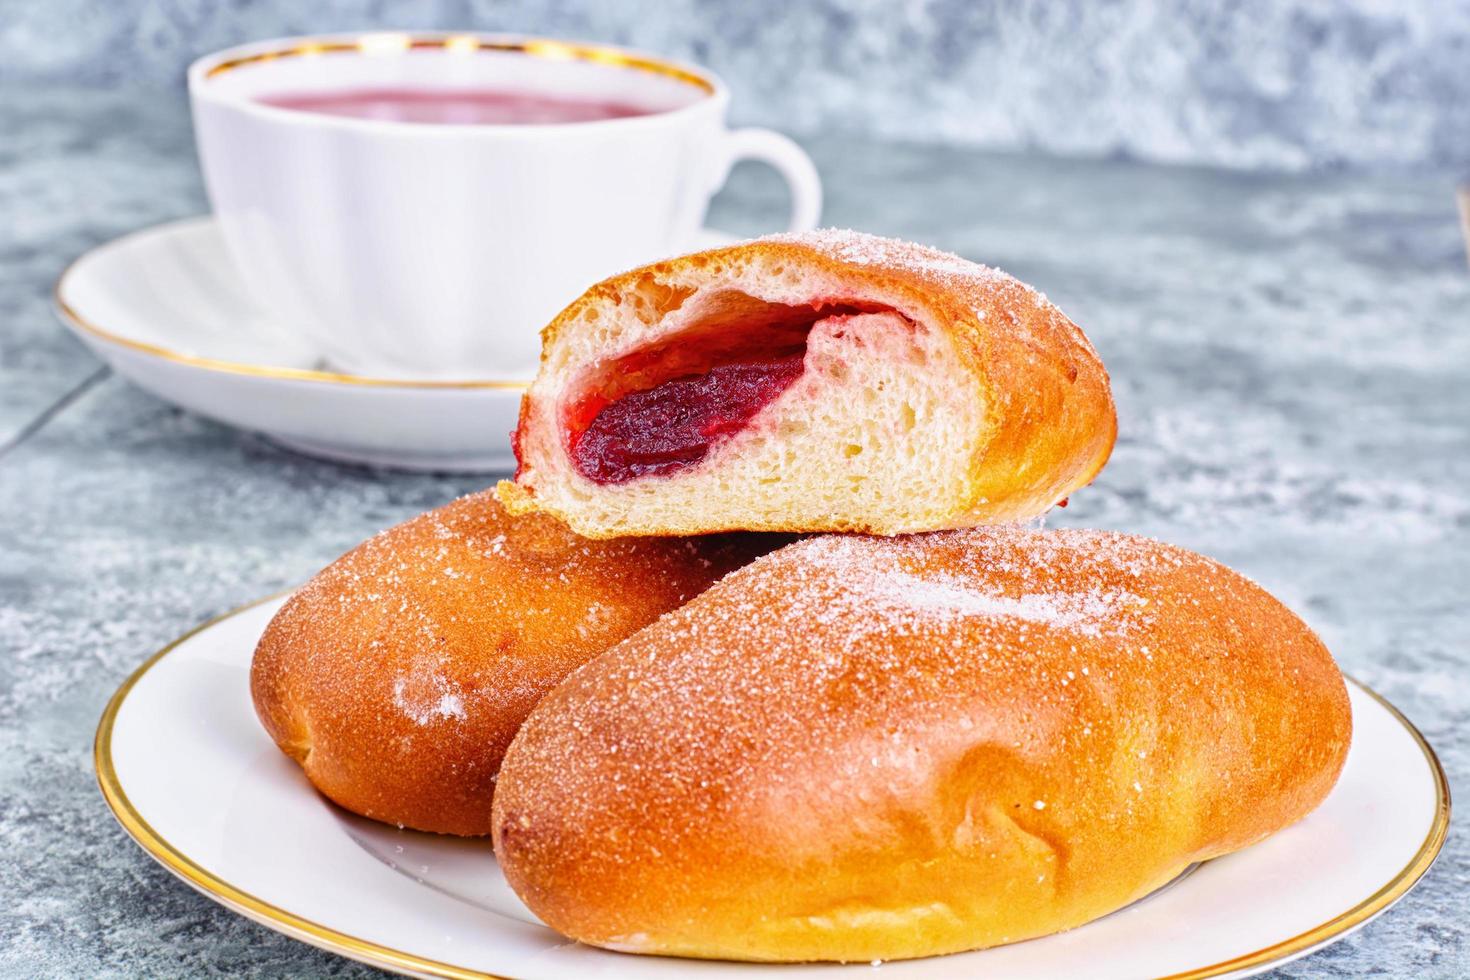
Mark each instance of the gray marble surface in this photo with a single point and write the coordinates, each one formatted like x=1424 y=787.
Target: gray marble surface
x=1286 y=84
x=1291 y=358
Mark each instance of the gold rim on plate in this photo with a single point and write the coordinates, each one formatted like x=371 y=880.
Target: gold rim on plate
x=214 y=887
x=375 y=954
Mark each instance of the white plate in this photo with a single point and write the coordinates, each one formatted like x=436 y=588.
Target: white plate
x=191 y=775
x=165 y=308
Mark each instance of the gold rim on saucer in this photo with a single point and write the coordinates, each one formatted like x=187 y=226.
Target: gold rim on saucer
x=376 y=954
x=75 y=319
x=222 y=891
x=468 y=43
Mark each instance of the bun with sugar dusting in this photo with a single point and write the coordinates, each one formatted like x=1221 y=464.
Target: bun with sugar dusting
x=398 y=675
x=828 y=381
x=863 y=748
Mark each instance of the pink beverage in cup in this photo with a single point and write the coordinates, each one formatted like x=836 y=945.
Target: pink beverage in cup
x=456 y=107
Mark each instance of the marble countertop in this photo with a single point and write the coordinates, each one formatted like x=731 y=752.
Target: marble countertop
x=1290 y=355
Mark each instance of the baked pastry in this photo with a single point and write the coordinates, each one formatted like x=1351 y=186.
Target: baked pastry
x=397 y=676
x=829 y=381
x=864 y=748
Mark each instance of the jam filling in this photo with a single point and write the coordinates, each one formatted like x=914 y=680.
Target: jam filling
x=661 y=408
x=673 y=424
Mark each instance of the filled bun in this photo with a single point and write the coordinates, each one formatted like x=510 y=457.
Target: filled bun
x=863 y=748
x=398 y=675
x=829 y=381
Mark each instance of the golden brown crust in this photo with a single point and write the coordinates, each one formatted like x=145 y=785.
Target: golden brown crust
x=398 y=675
x=1052 y=422
x=861 y=748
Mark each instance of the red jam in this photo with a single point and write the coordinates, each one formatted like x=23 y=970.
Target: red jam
x=673 y=424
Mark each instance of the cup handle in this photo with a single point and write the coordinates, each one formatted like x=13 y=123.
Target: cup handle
x=790 y=161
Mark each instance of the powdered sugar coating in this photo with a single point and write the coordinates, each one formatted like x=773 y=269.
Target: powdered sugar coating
x=887 y=587
x=798 y=637
x=863 y=249
x=399 y=674
x=471 y=576
x=825 y=614
x=940 y=269
x=440 y=702
x=1028 y=727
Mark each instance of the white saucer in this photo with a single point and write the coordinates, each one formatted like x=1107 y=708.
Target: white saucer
x=191 y=775
x=165 y=309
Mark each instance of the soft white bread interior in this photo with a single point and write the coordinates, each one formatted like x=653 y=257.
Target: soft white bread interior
x=863 y=748
x=933 y=393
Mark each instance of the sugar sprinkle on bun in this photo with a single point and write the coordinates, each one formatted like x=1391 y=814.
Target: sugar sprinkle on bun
x=862 y=748
x=398 y=675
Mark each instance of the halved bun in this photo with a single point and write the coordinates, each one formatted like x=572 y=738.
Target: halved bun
x=864 y=748
x=830 y=381
x=398 y=675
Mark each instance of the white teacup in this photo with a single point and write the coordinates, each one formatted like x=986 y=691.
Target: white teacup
x=439 y=250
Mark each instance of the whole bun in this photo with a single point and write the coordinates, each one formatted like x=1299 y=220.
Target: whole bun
x=398 y=675
x=858 y=748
